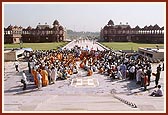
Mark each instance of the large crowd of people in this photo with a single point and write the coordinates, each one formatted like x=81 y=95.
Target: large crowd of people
x=48 y=66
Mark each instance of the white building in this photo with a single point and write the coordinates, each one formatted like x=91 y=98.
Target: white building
x=15 y=54
x=153 y=53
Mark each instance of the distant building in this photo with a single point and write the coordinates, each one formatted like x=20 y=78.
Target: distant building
x=42 y=33
x=125 y=33
x=12 y=34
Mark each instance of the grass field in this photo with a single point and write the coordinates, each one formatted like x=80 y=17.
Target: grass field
x=128 y=45
x=38 y=46
x=55 y=45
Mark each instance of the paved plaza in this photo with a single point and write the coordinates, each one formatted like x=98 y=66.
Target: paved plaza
x=83 y=43
x=80 y=93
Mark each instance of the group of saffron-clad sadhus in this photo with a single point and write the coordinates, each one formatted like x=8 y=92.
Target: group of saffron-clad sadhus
x=52 y=65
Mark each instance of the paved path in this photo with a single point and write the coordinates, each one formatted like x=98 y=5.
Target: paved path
x=91 y=94
x=84 y=43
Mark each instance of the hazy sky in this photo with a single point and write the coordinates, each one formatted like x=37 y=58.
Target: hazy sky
x=84 y=17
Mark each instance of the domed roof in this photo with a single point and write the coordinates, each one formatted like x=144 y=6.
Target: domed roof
x=15 y=26
x=110 y=22
x=10 y=27
x=128 y=27
x=20 y=27
x=37 y=27
x=150 y=27
x=137 y=27
x=105 y=27
x=61 y=28
x=56 y=22
x=162 y=28
x=29 y=27
x=145 y=28
x=156 y=27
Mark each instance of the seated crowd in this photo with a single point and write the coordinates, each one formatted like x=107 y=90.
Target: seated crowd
x=52 y=65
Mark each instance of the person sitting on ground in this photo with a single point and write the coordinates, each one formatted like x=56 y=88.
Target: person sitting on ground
x=61 y=75
x=101 y=70
x=112 y=75
x=119 y=75
x=94 y=68
x=87 y=48
x=75 y=70
x=82 y=65
x=90 y=72
x=158 y=92
x=64 y=75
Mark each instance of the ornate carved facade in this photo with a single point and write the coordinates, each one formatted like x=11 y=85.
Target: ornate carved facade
x=42 y=33
x=12 y=34
x=124 y=33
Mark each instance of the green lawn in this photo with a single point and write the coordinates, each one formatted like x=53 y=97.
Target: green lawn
x=128 y=45
x=55 y=45
x=38 y=46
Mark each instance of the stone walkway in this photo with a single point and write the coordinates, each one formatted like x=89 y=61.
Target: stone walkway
x=84 y=43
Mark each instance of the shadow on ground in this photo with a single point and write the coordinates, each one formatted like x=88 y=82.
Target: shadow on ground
x=19 y=89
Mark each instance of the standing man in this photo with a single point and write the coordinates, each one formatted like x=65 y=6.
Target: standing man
x=24 y=80
x=138 y=77
x=16 y=64
x=157 y=75
x=148 y=72
x=29 y=66
x=163 y=66
x=143 y=80
x=49 y=74
x=39 y=78
x=132 y=72
x=123 y=69
x=53 y=74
